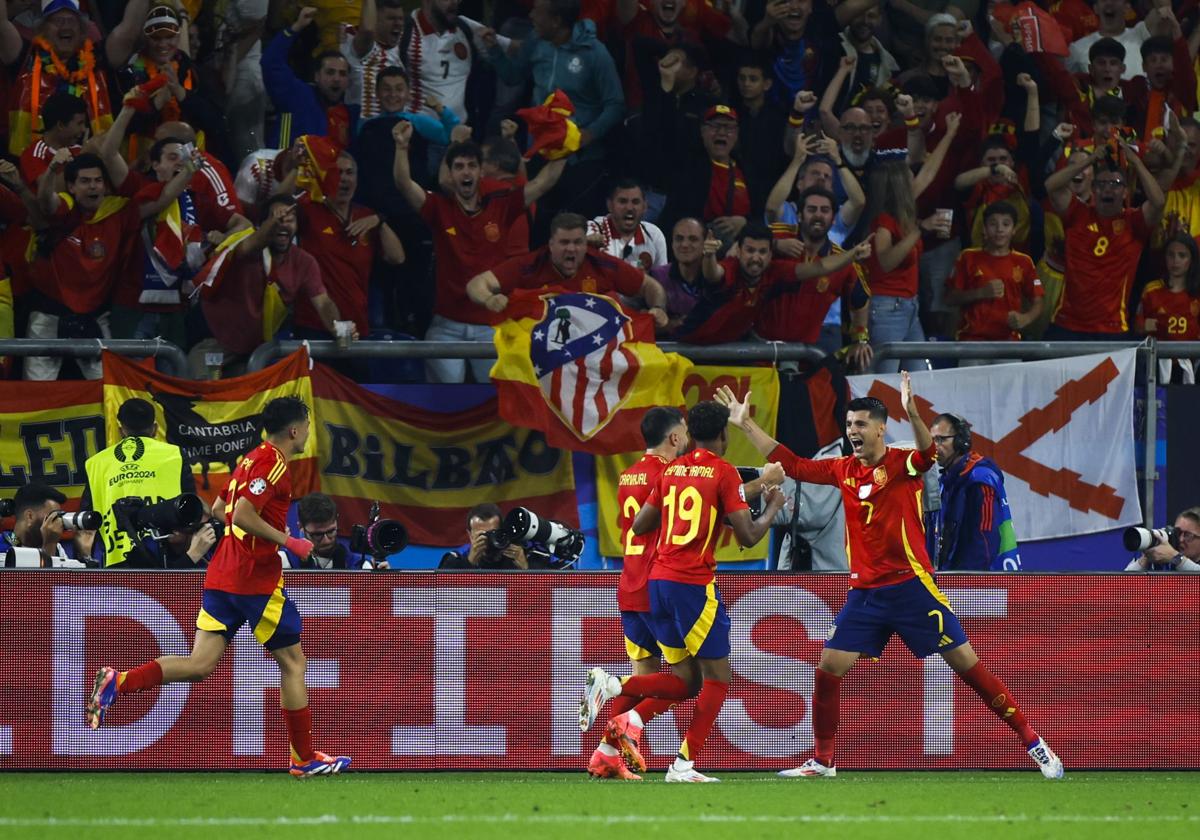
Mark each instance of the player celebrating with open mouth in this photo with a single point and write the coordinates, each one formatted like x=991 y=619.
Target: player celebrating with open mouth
x=891 y=578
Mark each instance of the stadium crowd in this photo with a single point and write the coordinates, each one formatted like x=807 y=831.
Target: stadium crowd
x=833 y=173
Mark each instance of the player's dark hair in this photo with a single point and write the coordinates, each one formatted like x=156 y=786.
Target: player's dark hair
x=136 y=416
x=754 y=230
x=961 y=428
x=625 y=184
x=1192 y=286
x=706 y=421
x=483 y=511
x=1106 y=48
x=465 y=149
x=1157 y=45
x=60 y=109
x=156 y=151
x=874 y=407
x=392 y=72
x=657 y=422
x=282 y=412
x=34 y=496
x=504 y=154
x=820 y=192
x=85 y=161
x=1000 y=208
x=567 y=221
x=315 y=507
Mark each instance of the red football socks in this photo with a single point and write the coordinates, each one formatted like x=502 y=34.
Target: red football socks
x=664 y=686
x=826 y=689
x=141 y=678
x=652 y=707
x=708 y=706
x=299 y=727
x=1000 y=700
x=621 y=705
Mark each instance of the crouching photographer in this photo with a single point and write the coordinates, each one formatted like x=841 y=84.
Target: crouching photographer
x=1166 y=549
x=35 y=540
x=523 y=540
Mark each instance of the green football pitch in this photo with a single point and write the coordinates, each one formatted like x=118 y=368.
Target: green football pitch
x=930 y=806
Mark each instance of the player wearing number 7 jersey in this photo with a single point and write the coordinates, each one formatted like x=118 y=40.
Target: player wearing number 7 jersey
x=695 y=495
x=891 y=578
x=244 y=584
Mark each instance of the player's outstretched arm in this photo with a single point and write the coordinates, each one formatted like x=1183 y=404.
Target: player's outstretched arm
x=749 y=531
x=921 y=433
x=739 y=415
x=647 y=520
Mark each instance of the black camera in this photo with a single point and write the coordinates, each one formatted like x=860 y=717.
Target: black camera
x=546 y=541
x=141 y=519
x=1141 y=539
x=8 y=508
x=379 y=537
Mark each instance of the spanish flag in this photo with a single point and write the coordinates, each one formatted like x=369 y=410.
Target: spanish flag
x=551 y=131
x=582 y=369
x=214 y=423
x=318 y=175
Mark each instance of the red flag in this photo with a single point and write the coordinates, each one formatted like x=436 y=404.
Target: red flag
x=1036 y=28
x=139 y=97
x=319 y=174
x=554 y=135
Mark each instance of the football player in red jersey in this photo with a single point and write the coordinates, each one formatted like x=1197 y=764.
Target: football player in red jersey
x=695 y=493
x=244 y=583
x=891 y=578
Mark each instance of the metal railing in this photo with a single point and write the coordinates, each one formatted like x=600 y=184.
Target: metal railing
x=173 y=360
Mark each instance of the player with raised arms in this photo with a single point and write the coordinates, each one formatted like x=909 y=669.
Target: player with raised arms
x=891 y=578
x=696 y=493
x=244 y=583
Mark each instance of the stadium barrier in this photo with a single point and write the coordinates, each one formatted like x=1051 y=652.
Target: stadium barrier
x=172 y=359
x=484 y=671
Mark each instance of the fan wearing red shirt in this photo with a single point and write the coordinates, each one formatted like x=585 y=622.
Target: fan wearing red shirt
x=696 y=496
x=344 y=238
x=1104 y=242
x=1170 y=307
x=996 y=288
x=891 y=578
x=244 y=585
x=66 y=122
x=470 y=232
x=565 y=262
x=739 y=287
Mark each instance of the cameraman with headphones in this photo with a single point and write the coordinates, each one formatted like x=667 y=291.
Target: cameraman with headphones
x=136 y=465
x=973 y=530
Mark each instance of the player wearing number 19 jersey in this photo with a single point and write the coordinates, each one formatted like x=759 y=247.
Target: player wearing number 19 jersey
x=892 y=588
x=696 y=494
x=244 y=584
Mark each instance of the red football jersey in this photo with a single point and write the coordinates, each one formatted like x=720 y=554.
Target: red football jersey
x=1176 y=315
x=35 y=160
x=345 y=263
x=797 y=313
x=987 y=319
x=1102 y=255
x=695 y=494
x=885 y=524
x=243 y=564
x=634 y=485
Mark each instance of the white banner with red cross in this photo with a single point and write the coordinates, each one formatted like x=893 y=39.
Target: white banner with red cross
x=1060 y=430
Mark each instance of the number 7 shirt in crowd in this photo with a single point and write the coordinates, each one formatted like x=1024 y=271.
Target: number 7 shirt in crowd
x=885 y=526
x=633 y=488
x=695 y=494
x=242 y=564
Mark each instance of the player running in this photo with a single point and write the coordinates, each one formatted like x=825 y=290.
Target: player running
x=244 y=584
x=892 y=588
x=697 y=492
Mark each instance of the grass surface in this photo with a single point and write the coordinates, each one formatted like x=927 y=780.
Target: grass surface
x=929 y=805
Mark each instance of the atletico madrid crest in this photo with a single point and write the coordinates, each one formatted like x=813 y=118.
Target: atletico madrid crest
x=584 y=371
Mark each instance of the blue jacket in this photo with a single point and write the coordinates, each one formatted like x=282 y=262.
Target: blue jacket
x=297 y=104
x=973 y=531
x=582 y=68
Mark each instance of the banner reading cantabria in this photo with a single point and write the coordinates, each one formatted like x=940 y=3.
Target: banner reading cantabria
x=428 y=468
x=1061 y=430
x=214 y=423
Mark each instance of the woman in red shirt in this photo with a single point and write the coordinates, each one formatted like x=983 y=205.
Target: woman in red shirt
x=1170 y=308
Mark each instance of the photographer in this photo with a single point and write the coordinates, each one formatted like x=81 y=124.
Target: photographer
x=1180 y=554
x=477 y=554
x=188 y=549
x=318 y=517
x=137 y=465
x=37 y=526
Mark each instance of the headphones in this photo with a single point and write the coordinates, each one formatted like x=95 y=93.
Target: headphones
x=962 y=432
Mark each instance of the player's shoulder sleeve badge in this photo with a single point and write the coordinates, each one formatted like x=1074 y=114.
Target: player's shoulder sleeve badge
x=258 y=486
x=742 y=492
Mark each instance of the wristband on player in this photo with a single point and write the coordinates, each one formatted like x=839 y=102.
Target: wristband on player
x=300 y=547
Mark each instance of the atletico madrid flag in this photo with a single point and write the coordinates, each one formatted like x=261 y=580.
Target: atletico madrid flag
x=551 y=130
x=582 y=369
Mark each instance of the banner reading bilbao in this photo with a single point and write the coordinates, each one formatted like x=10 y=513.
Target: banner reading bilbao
x=484 y=671
x=582 y=369
x=700 y=384
x=214 y=423
x=1061 y=430
x=48 y=430
x=428 y=468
